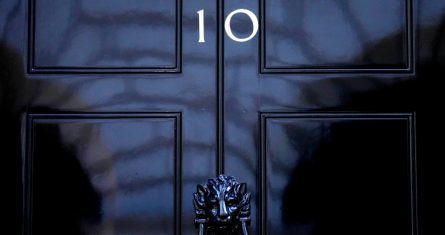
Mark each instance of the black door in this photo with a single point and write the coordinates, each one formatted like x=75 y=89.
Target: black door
x=113 y=112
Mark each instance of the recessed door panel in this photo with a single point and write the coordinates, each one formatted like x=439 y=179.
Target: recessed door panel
x=95 y=36
x=349 y=174
x=108 y=174
x=329 y=35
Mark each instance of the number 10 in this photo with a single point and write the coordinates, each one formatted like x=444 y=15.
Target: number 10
x=227 y=25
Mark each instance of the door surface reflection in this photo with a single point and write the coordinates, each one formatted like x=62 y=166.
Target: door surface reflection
x=104 y=176
x=328 y=176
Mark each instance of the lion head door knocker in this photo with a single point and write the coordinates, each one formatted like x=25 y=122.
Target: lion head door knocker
x=222 y=206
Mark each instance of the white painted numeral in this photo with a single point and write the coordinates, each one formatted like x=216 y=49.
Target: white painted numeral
x=201 y=26
x=228 y=28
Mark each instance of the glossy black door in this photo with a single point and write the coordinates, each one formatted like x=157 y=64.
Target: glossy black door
x=113 y=112
x=117 y=104
x=323 y=110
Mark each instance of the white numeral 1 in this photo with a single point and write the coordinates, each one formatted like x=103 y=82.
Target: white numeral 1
x=201 y=26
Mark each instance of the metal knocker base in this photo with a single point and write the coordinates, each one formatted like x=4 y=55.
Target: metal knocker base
x=222 y=206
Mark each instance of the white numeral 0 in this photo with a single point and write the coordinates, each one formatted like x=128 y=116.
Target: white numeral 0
x=227 y=26
x=229 y=29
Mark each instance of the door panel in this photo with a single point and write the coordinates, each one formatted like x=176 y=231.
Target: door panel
x=318 y=36
x=337 y=173
x=104 y=174
x=93 y=36
x=347 y=58
x=111 y=67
